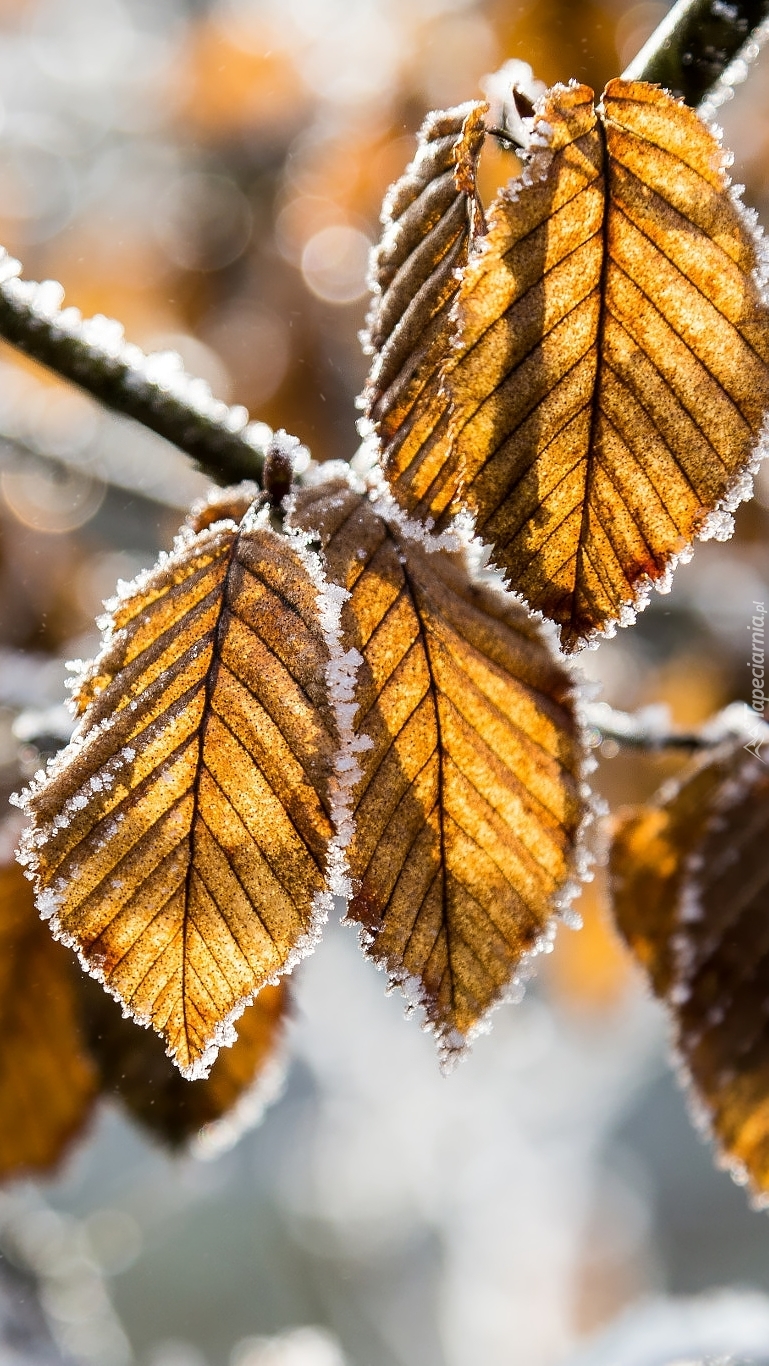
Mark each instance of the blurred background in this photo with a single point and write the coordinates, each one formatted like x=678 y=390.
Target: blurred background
x=210 y=172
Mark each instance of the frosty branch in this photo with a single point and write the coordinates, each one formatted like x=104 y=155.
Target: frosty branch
x=650 y=729
x=153 y=389
x=701 y=46
x=692 y=50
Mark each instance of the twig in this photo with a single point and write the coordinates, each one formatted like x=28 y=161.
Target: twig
x=703 y=48
x=153 y=389
x=650 y=729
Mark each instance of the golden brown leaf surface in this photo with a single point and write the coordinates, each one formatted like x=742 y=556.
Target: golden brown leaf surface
x=179 y=842
x=47 y=1079
x=430 y=217
x=690 y=883
x=134 y=1068
x=608 y=373
x=469 y=802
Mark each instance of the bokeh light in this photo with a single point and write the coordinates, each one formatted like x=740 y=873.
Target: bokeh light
x=210 y=172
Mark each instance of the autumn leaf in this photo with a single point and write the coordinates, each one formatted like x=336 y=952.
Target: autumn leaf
x=179 y=842
x=469 y=803
x=47 y=1079
x=606 y=372
x=690 y=882
x=133 y=1067
x=430 y=217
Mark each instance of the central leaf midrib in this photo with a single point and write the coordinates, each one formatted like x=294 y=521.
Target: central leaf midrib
x=209 y=685
x=410 y=589
x=595 y=405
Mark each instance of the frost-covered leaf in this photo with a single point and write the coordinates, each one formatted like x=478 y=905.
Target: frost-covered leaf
x=606 y=373
x=179 y=843
x=690 y=883
x=133 y=1067
x=47 y=1079
x=469 y=802
x=430 y=216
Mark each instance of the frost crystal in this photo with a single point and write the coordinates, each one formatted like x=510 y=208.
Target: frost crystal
x=341 y=677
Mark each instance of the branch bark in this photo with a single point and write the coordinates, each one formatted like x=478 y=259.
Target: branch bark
x=650 y=729
x=153 y=389
x=697 y=43
x=692 y=53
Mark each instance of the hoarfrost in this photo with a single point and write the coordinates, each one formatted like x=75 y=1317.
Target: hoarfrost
x=292 y=448
x=341 y=678
x=454 y=538
x=48 y=904
x=503 y=111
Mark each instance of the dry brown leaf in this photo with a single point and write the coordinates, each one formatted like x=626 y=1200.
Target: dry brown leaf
x=47 y=1079
x=134 y=1068
x=469 y=804
x=604 y=387
x=690 y=882
x=430 y=217
x=179 y=842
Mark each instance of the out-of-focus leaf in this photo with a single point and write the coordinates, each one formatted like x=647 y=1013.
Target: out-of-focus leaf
x=64 y=1042
x=179 y=841
x=690 y=882
x=47 y=1079
x=430 y=217
x=592 y=969
x=469 y=802
x=648 y=860
x=606 y=372
x=133 y=1066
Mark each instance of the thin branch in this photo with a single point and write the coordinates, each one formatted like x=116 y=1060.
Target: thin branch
x=703 y=48
x=153 y=389
x=650 y=729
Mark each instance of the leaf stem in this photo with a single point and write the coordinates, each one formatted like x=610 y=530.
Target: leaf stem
x=151 y=388
x=703 y=48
